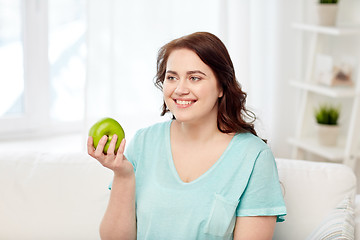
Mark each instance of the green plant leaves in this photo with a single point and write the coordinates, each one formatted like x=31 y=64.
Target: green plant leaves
x=327 y=114
x=328 y=1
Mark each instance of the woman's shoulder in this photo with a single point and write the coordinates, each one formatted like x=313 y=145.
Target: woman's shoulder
x=251 y=149
x=250 y=142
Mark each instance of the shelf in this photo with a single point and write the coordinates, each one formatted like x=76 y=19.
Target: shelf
x=337 y=31
x=318 y=38
x=333 y=154
x=335 y=92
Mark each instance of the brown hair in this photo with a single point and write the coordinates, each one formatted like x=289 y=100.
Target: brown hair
x=233 y=117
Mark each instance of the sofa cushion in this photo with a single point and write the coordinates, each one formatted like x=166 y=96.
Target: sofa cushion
x=51 y=196
x=357 y=216
x=338 y=224
x=311 y=191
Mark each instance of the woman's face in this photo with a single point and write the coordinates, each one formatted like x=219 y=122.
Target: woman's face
x=190 y=88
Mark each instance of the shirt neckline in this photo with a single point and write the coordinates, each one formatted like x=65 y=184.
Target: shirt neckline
x=172 y=165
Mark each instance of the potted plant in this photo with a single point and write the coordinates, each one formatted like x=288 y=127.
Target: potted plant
x=327 y=120
x=327 y=12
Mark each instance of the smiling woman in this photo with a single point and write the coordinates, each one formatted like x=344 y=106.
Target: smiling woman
x=233 y=115
x=190 y=84
x=208 y=160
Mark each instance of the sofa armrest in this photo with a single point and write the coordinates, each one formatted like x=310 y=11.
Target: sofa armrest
x=311 y=191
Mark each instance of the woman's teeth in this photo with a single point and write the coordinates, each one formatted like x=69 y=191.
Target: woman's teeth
x=183 y=102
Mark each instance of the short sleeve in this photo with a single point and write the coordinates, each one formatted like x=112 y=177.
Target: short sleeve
x=263 y=195
x=130 y=151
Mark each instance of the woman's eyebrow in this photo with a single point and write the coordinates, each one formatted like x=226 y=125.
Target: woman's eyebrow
x=188 y=72
x=195 y=71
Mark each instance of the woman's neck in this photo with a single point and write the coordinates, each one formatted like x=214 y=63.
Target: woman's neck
x=203 y=131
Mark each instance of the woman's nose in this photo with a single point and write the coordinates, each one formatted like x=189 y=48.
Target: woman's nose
x=182 y=87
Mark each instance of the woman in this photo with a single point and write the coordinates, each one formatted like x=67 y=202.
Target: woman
x=203 y=175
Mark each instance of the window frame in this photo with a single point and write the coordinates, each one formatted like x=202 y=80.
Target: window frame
x=35 y=121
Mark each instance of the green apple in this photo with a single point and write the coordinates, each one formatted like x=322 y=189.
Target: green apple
x=109 y=127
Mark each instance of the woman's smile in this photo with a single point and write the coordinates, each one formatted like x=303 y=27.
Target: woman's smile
x=190 y=88
x=184 y=103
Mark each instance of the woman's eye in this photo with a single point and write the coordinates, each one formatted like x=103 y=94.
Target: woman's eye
x=170 y=78
x=195 y=78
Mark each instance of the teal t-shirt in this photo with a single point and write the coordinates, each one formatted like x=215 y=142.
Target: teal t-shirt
x=243 y=182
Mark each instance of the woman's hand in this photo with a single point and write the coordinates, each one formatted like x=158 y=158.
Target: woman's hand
x=116 y=162
x=119 y=221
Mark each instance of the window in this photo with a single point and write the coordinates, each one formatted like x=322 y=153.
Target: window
x=43 y=62
x=67 y=52
x=11 y=59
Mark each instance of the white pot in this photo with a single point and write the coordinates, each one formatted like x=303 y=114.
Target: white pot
x=326 y=14
x=328 y=134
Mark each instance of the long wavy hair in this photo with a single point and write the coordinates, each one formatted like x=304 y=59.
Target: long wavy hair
x=232 y=117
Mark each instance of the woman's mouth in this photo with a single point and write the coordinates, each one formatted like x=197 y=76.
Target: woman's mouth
x=184 y=103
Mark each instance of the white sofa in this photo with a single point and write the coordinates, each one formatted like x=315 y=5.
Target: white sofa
x=63 y=196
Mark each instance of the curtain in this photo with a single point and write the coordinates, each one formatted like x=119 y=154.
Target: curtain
x=124 y=37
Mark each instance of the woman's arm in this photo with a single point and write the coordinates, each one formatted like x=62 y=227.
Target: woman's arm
x=254 y=228
x=119 y=221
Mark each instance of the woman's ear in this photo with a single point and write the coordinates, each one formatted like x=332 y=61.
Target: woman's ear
x=221 y=93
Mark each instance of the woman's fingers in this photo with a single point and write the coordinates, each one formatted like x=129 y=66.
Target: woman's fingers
x=90 y=146
x=100 y=147
x=111 y=149
x=121 y=147
x=120 y=153
x=111 y=160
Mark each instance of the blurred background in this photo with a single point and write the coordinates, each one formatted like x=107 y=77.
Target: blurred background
x=64 y=64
